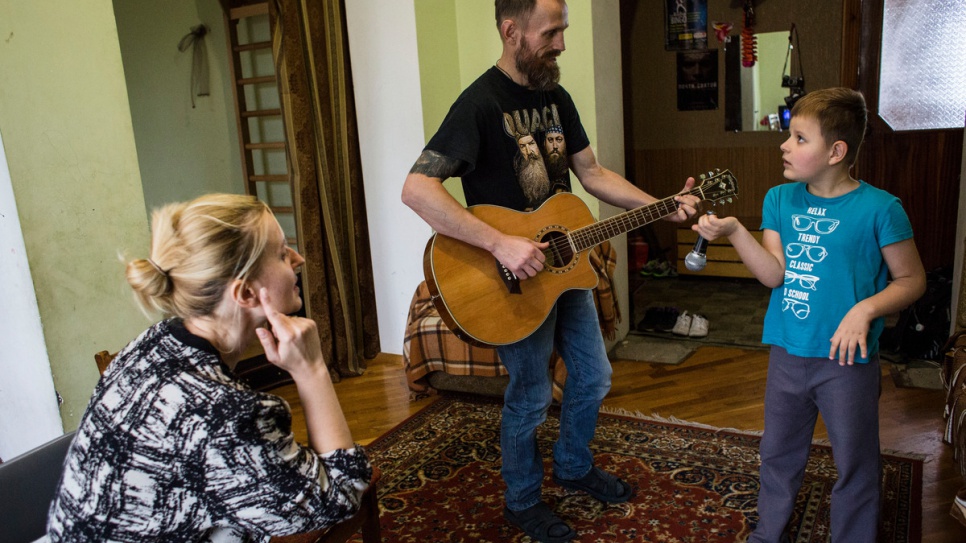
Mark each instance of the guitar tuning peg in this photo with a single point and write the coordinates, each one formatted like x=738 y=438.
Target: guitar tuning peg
x=701 y=177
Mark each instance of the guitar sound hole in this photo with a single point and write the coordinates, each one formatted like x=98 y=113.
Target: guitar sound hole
x=559 y=254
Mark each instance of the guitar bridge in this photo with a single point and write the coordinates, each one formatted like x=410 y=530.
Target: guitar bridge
x=510 y=281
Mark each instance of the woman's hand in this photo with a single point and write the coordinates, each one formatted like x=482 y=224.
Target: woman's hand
x=292 y=343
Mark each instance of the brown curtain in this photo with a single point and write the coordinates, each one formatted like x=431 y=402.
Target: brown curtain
x=310 y=48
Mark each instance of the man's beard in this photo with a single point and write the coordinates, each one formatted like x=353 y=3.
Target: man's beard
x=542 y=73
x=533 y=178
x=557 y=166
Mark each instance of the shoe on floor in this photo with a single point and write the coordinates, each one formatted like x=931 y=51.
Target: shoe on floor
x=683 y=325
x=651 y=267
x=665 y=270
x=652 y=317
x=699 y=326
x=599 y=484
x=541 y=524
x=668 y=317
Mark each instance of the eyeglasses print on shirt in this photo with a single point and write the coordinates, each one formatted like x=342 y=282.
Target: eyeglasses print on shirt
x=821 y=225
x=804 y=280
x=815 y=253
x=799 y=309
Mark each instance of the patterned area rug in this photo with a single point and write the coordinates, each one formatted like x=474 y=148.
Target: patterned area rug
x=441 y=482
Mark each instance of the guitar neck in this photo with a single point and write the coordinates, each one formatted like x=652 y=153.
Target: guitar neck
x=599 y=232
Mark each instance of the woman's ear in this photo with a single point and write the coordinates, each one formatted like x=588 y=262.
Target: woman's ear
x=838 y=152
x=243 y=293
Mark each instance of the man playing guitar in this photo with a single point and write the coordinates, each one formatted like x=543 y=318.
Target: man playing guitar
x=489 y=139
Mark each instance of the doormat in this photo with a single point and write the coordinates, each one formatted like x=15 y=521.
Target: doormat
x=917 y=374
x=640 y=348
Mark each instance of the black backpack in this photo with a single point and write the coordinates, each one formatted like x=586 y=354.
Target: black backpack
x=922 y=328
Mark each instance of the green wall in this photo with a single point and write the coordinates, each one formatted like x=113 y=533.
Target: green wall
x=183 y=150
x=74 y=170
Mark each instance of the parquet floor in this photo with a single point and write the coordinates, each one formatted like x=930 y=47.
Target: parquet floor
x=718 y=386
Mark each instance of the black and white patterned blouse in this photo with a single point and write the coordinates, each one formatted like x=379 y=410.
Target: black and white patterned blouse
x=173 y=448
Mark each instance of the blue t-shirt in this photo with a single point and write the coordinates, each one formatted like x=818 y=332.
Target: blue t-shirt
x=833 y=260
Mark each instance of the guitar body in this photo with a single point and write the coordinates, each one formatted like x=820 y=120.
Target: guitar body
x=472 y=292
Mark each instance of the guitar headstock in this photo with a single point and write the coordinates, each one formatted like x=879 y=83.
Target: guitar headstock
x=717 y=187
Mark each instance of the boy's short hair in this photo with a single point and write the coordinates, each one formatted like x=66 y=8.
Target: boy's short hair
x=841 y=115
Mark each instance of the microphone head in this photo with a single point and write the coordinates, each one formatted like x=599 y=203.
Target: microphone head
x=695 y=261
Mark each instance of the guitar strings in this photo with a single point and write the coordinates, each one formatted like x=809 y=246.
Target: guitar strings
x=587 y=236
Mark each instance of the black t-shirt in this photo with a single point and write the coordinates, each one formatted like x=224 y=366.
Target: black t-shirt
x=515 y=141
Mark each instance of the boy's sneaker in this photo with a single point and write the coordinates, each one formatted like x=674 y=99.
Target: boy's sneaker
x=699 y=326
x=683 y=325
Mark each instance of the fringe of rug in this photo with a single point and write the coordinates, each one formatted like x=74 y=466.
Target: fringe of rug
x=654 y=417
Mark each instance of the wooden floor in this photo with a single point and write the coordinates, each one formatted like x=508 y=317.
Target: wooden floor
x=723 y=387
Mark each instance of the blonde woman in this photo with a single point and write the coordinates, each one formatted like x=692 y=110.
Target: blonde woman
x=172 y=446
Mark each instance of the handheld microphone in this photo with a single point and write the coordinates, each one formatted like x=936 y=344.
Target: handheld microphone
x=697 y=259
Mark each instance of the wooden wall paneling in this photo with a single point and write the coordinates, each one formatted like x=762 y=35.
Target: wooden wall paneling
x=921 y=168
x=851 y=42
x=662 y=172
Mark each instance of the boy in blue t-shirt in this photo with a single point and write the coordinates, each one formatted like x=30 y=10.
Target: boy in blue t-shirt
x=829 y=245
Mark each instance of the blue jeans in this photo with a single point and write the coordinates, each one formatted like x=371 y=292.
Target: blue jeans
x=572 y=327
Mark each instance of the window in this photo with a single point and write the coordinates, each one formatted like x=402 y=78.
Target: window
x=922 y=76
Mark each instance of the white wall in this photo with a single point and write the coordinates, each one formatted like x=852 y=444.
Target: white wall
x=385 y=73
x=609 y=120
x=24 y=363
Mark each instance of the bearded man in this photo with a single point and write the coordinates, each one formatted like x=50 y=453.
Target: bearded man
x=478 y=142
x=531 y=171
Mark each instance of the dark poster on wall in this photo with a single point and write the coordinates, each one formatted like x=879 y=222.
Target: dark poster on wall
x=698 y=80
x=686 y=25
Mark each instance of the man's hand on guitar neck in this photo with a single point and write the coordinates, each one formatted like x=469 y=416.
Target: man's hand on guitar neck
x=522 y=256
x=688 y=204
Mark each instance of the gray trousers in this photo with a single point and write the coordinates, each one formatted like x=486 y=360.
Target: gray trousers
x=796 y=391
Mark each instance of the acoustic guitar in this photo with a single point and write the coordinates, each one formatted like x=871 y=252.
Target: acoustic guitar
x=484 y=304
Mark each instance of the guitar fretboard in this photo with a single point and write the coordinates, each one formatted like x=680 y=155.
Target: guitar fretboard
x=594 y=234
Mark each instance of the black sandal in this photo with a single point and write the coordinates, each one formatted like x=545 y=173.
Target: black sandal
x=599 y=484
x=541 y=524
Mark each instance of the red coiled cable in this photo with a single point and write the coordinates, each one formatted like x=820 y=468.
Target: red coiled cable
x=749 y=46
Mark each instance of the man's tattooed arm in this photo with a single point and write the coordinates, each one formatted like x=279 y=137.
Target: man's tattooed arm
x=433 y=164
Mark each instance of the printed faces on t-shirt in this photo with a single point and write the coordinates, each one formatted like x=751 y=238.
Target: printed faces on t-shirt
x=540 y=163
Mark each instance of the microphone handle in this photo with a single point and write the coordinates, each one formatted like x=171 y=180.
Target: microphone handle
x=697 y=259
x=700 y=246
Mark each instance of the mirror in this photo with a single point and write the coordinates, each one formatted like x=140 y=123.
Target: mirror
x=761 y=91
